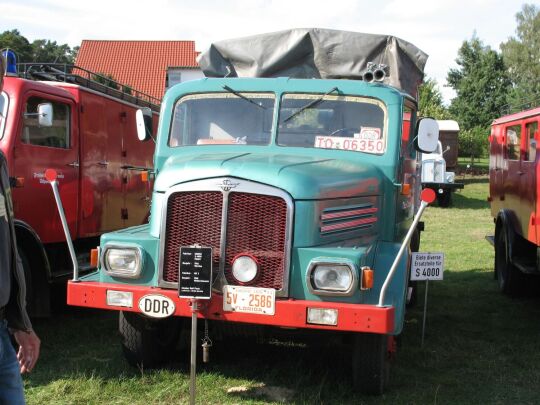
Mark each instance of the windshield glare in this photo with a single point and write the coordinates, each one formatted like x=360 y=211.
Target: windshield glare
x=336 y=122
x=222 y=118
x=3 y=112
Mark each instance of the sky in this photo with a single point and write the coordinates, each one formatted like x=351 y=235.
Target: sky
x=438 y=27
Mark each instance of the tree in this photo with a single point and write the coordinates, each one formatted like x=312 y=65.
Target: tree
x=481 y=83
x=41 y=50
x=14 y=40
x=473 y=143
x=106 y=79
x=522 y=56
x=44 y=50
x=430 y=101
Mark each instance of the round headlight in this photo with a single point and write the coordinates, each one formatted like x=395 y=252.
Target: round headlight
x=244 y=268
x=332 y=277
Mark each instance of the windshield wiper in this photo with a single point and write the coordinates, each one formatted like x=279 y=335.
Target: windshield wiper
x=310 y=104
x=237 y=94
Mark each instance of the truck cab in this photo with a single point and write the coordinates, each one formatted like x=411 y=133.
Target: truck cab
x=304 y=190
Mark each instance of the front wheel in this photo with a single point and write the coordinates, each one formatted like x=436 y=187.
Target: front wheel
x=370 y=363
x=509 y=278
x=147 y=342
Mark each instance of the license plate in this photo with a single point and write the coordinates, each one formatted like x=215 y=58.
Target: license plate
x=249 y=299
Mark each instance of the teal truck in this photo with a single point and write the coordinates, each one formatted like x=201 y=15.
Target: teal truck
x=304 y=185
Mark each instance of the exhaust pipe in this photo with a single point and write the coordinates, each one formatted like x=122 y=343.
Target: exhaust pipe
x=379 y=75
x=368 y=76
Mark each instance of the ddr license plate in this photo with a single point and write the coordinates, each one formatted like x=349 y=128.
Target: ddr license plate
x=249 y=299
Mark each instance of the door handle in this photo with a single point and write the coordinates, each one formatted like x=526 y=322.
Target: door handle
x=103 y=163
x=73 y=164
x=520 y=173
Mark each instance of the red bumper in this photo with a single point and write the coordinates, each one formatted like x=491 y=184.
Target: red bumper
x=289 y=313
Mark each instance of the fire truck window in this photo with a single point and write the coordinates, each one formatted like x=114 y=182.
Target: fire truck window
x=513 y=141
x=55 y=136
x=532 y=129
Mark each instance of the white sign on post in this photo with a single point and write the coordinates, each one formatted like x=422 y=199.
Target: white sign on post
x=427 y=266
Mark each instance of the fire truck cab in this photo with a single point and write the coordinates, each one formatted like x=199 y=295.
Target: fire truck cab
x=64 y=120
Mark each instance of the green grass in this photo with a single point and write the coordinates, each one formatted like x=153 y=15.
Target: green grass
x=479 y=165
x=481 y=347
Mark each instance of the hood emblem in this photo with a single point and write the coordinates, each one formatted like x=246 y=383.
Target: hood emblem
x=227 y=185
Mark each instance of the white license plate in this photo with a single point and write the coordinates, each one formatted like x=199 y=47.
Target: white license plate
x=249 y=299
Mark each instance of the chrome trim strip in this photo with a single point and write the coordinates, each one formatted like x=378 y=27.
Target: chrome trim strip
x=222 y=185
x=329 y=293
x=349 y=213
x=349 y=225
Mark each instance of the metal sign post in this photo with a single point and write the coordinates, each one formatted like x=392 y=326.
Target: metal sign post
x=426 y=266
x=195 y=282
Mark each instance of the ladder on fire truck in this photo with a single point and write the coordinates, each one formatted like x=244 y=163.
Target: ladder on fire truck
x=60 y=72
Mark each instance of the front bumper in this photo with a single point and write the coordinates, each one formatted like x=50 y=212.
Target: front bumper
x=289 y=313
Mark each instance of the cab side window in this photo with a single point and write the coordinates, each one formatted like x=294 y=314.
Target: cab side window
x=513 y=141
x=55 y=136
x=531 y=129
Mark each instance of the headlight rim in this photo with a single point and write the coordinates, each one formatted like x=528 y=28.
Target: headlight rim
x=332 y=261
x=122 y=273
x=257 y=274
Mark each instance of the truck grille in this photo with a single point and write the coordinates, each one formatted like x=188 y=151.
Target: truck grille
x=256 y=224
x=193 y=217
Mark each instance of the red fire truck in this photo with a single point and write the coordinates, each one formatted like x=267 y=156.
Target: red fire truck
x=514 y=185
x=59 y=116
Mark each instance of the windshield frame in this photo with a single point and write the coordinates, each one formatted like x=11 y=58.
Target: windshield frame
x=252 y=95
x=4 y=113
x=357 y=98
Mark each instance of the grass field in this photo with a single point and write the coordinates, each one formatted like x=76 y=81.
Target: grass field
x=481 y=347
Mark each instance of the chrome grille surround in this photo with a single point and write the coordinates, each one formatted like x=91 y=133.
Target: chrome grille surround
x=227 y=186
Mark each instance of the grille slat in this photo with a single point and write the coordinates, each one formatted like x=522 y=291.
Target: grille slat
x=256 y=225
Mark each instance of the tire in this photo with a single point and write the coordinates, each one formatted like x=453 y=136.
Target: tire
x=370 y=363
x=412 y=286
x=445 y=199
x=148 y=343
x=509 y=278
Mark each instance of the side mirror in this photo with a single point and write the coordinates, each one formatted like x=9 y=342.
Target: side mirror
x=143 y=118
x=45 y=115
x=427 y=135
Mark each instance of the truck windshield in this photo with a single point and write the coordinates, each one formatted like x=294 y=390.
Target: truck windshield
x=222 y=118
x=3 y=112
x=336 y=122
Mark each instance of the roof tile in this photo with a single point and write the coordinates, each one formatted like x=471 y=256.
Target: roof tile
x=141 y=65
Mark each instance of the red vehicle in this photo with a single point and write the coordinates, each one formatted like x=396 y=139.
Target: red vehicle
x=85 y=130
x=514 y=185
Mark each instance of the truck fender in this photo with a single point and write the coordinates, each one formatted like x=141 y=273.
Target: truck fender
x=29 y=244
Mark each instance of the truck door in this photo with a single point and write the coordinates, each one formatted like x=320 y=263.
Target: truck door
x=39 y=148
x=137 y=155
x=528 y=181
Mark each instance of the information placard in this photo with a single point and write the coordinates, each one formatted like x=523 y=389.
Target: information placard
x=427 y=266
x=195 y=272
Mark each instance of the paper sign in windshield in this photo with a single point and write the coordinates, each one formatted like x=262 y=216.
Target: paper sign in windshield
x=370 y=133
x=354 y=144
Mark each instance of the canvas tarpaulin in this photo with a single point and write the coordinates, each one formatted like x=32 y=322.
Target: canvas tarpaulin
x=316 y=53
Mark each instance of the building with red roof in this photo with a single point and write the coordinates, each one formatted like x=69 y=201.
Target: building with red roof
x=147 y=66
